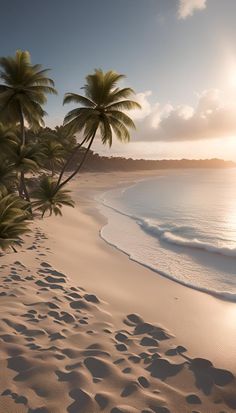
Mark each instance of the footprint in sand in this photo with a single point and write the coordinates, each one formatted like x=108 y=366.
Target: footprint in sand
x=121 y=347
x=193 y=399
x=97 y=367
x=121 y=337
x=74 y=378
x=124 y=409
x=91 y=298
x=133 y=319
x=79 y=305
x=149 y=342
x=56 y=336
x=83 y=403
x=162 y=368
x=129 y=389
x=143 y=381
x=206 y=376
x=127 y=370
x=74 y=295
x=102 y=400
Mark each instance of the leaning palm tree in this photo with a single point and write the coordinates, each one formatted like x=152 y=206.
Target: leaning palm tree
x=49 y=199
x=101 y=109
x=24 y=90
x=13 y=220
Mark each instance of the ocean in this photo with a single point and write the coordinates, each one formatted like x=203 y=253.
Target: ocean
x=180 y=224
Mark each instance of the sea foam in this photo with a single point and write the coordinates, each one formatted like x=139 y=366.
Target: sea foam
x=168 y=235
x=168 y=226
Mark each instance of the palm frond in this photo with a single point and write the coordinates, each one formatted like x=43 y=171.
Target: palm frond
x=75 y=98
x=103 y=108
x=119 y=129
x=122 y=117
x=25 y=88
x=13 y=219
x=106 y=132
x=48 y=198
x=124 y=105
x=118 y=94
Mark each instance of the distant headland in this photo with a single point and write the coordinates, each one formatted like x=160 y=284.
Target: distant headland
x=95 y=162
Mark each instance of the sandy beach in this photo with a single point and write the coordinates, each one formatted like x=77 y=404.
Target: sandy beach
x=86 y=329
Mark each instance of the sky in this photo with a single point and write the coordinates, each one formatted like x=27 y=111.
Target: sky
x=178 y=55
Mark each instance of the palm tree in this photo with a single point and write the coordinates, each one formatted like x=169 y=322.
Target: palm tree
x=13 y=220
x=54 y=154
x=101 y=109
x=8 y=139
x=61 y=135
x=8 y=177
x=66 y=137
x=49 y=199
x=26 y=159
x=23 y=91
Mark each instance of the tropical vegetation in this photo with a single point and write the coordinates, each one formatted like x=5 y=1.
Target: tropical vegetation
x=37 y=162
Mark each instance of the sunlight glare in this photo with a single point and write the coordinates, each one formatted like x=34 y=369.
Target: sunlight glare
x=232 y=78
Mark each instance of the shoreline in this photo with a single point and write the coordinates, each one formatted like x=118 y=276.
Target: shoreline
x=95 y=331
x=212 y=318
x=114 y=214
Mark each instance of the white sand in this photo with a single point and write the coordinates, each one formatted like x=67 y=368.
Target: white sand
x=66 y=377
x=130 y=286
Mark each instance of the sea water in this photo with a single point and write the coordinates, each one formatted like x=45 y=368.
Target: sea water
x=181 y=224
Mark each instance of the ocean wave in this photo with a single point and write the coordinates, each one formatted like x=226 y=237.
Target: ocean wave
x=182 y=236
x=223 y=295
x=168 y=234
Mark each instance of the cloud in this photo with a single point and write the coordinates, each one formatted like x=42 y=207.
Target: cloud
x=142 y=99
x=188 y=7
x=212 y=117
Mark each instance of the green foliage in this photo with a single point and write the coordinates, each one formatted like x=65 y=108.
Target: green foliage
x=102 y=108
x=24 y=89
x=13 y=220
x=49 y=199
x=8 y=177
x=27 y=158
x=66 y=138
x=61 y=134
x=28 y=149
x=54 y=154
x=8 y=139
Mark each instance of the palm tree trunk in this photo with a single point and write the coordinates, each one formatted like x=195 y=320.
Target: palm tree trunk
x=22 y=185
x=68 y=162
x=80 y=165
x=19 y=186
x=22 y=125
x=25 y=190
x=52 y=168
